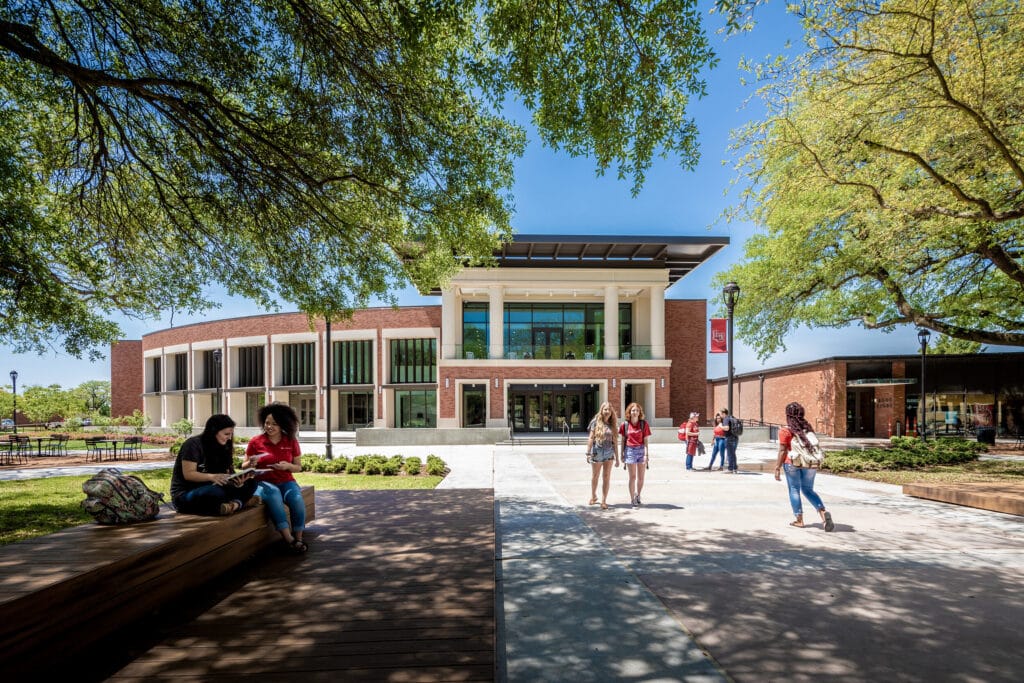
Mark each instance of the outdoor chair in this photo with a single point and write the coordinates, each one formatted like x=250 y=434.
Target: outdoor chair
x=131 y=448
x=98 y=449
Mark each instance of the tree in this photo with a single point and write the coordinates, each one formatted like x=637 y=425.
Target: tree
x=888 y=175
x=315 y=152
x=958 y=347
x=95 y=396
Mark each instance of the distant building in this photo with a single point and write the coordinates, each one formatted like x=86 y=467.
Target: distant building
x=878 y=396
x=561 y=324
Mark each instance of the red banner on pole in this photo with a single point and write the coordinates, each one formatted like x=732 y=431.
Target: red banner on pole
x=719 y=344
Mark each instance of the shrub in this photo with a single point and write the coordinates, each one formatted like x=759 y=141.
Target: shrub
x=413 y=465
x=390 y=468
x=320 y=464
x=436 y=466
x=182 y=428
x=357 y=465
x=905 y=453
x=176 y=446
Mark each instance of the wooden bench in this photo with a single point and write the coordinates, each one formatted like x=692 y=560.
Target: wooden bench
x=63 y=592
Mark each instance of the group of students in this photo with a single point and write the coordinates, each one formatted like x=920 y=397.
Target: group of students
x=203 y=483
x=602 y=451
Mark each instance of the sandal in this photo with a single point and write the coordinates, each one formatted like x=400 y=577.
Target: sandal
x=230 y=507
x=593 y=501
x=297 y=547
x=604 y=506
x=798 y=522
x=829 y=524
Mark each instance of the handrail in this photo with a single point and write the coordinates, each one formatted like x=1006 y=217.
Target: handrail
x=565 y=430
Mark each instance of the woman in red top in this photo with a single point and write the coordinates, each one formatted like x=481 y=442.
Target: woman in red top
x=691 y=428
x=799 y=479
x=635 y=431
x=277 y=450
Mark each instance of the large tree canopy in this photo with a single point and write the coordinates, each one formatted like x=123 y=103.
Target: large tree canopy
x=315 y=152
x=888 y=174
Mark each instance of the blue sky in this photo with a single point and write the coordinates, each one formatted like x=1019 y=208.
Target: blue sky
x=558 y=194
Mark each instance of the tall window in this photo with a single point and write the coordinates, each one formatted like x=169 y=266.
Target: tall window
x=211 y=373
x=180 y=372
x=352 y=362
x=561 y=330
x=297 y=364
x=155 y=380
x=475 y=317
x=250 y=366
x=416 y=409
x=413 y=361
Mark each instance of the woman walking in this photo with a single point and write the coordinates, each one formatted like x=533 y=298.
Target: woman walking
x=692 y=431
x=718 y=447
x=635 y=431
x=601 y=451
x=799 y=479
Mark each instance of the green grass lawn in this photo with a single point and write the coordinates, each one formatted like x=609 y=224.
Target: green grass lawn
x=36 y=507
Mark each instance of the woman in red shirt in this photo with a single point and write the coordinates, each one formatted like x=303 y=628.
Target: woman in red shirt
x=635 y=431
x=799 y=479
x=277 y=450
x=692 y=432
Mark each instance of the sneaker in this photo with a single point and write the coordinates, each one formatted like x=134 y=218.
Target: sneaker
x=230 y=507
x=635 y=501
x=638 y=503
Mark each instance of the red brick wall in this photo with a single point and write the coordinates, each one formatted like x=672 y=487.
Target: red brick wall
x=687 y=346
x=820 y=388
x=126 y=377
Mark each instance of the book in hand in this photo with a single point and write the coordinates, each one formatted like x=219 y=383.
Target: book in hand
x=240 y=474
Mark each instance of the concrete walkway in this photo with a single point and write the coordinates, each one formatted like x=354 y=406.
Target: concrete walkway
x=707 y=581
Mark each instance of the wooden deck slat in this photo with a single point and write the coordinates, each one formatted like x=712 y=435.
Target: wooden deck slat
x=397 y=586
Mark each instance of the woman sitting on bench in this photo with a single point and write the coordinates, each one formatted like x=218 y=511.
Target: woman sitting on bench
x=277 y=451
x=202 y=482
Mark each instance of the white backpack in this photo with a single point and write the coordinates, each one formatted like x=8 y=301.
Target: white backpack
x=802 y=456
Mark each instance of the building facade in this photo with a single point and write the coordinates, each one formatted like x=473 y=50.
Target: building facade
x=871 y=396
x=535 y=343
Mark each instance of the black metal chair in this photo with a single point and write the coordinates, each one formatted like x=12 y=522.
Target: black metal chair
x=131 y=448
x=99 y=449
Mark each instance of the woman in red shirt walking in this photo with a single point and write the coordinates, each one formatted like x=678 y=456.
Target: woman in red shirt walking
x=635 y=432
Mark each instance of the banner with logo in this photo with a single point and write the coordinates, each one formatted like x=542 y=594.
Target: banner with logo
x=719 y=343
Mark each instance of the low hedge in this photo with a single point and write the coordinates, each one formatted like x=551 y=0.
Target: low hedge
x=373 y=464
x=905 y=452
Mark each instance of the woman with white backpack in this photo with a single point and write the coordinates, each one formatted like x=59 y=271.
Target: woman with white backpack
x=799 y=456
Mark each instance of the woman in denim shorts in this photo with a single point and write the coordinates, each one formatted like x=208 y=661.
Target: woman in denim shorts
x=601 y=450
x=635 y=432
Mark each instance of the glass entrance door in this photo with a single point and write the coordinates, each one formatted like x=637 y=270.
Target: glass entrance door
x=305 y=406
x=547 y=342
x=860 y=413
x=552 y=408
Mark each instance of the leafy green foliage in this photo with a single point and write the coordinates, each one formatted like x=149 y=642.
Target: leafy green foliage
x=413 y=465
x=905 y=453
x=183 y=427
x=315 y=152
x=436 y=467
x=888 y=174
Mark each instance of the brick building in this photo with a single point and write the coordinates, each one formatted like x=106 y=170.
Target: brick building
x=560 y=324
x=873 y=396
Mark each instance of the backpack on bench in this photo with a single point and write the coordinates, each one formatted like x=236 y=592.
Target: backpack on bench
x=116 y=498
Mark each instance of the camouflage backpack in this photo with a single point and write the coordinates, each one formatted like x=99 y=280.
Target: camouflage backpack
x=116 y=498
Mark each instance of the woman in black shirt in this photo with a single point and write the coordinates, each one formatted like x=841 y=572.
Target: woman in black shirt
x=202 y=483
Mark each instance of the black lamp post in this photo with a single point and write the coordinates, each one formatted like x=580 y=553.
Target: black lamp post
x=731 y=292
x=922 y=420
x=760 y=376
x=217 y=354
x=14 y=393
x=328 y=451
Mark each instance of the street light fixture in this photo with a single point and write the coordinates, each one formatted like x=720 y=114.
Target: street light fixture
x=14 y=392
x=731 y=292
x=217 y=355
x=922 y=420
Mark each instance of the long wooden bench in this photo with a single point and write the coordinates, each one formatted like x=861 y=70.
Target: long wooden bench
x=63 y=592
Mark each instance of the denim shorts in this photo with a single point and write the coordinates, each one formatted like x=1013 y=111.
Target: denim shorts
x=633 y=455
x=602 y=454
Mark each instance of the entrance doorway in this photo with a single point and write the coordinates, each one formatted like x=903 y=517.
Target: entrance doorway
x=474 y=405
x=304 y=406
x=860 y=413
x=552 y=408
x=355 y=410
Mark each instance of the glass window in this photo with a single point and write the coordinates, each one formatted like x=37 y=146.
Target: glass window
x=297 y=364
x=250 y=367
x=352 y=362
x=475 y=339
x=413 y=361
x=416 y=409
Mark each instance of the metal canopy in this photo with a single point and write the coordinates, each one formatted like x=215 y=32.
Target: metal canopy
x=677 y=255
x=880 y=382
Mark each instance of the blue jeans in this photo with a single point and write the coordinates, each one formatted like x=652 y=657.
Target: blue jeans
x=731 y=442
x=718 y=448
x=801 y=480
x=276 y=496
x=207 y=499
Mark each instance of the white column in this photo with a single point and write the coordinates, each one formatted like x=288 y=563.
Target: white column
x=496 y=321
x=611 y=322
x=450 y=337
x=657 y=322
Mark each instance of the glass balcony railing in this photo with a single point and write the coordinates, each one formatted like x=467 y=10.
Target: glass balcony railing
x=471 y=352
x=635 y=352
x=554 y=352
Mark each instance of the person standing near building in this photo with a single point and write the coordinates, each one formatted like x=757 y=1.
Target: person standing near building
x=692 y=429
x=635 y=432
x=601 y=451
x=719 y=444
x=731 y=440
x=799 y=479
